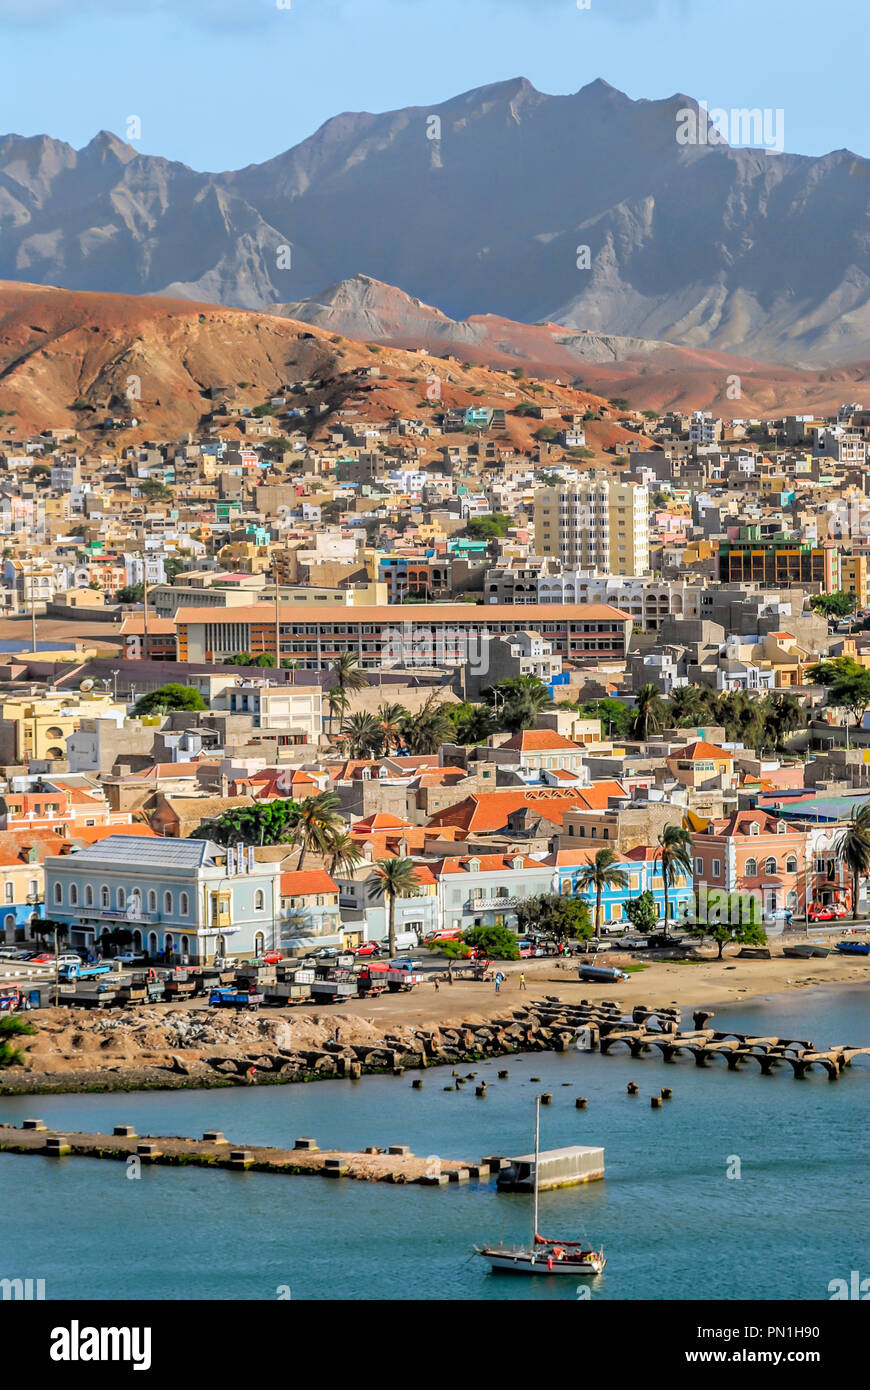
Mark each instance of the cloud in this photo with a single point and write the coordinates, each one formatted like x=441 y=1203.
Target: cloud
x=210 y=14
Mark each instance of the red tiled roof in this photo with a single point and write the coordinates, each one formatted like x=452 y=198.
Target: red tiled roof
x=296 y=884
x=540 y=741
x=700 y=751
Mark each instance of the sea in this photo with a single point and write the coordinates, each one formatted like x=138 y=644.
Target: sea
x=741 y=1186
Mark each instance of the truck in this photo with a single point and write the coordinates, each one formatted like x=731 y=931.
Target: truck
x=373 y=978
x=333 y=985
x=71 y=972
x=403 y=979
x=228 y=998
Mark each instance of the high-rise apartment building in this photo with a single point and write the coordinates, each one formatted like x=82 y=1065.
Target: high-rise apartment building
x=595 y=524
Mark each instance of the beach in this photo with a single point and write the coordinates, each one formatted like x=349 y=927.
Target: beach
x=190 y=1044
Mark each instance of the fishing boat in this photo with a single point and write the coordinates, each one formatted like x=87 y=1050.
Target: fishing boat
x=854 y=948
x=805 y=952
x=543 y=1255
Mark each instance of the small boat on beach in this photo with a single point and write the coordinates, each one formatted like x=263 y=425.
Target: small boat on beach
x=805 y=952
x=543 y=1255
x=854 y=948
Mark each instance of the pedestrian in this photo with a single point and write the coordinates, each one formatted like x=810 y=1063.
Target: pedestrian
x=337 y=1034
x=522 y=981
x=252 y=1075
x=436 y=984
x=498 y=979
x=450 y=972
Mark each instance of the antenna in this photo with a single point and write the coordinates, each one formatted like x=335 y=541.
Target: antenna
x=86 y=685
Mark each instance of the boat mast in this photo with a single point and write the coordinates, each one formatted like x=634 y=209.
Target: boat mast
x=537 y=1148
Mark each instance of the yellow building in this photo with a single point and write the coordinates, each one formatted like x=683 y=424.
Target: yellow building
x=854 y=578
x=598 y=523
x=35 y=728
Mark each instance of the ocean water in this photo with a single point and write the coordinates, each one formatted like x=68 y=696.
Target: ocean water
x=673 y=1223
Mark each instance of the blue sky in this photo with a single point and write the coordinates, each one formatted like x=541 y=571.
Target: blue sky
x=222 y=83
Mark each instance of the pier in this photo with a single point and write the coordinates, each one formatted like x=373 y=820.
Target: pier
x=395 y=1164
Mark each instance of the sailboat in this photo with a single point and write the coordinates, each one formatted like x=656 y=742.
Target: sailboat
x=543 y=1255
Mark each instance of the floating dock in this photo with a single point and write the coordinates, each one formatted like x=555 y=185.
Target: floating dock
x=556 y=1168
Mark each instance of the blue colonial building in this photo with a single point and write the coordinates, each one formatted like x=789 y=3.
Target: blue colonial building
x=643 y=870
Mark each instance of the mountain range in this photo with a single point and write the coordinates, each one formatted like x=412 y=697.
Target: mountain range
x=481 y=205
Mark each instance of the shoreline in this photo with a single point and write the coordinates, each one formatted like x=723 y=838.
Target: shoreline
x=186 y=1047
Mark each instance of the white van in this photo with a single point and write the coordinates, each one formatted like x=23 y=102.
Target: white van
x=405 y=941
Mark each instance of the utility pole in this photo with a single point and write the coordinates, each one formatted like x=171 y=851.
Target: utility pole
x=277 y=620
x=144 y=615
x=56 y=968
x=32 y=612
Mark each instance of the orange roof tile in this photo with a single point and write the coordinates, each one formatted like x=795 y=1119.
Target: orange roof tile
x=296 y=883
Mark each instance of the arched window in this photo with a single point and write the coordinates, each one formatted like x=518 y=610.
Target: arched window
x=184 y=905
x=259 y=900
x=73 y=895
x=104 y=896
x=152 y=900
x=58 y=893
x=751 y=868
x=770 y=865
x=791 y=864
x=89 y=895
x=122 y=897
x=167 y=903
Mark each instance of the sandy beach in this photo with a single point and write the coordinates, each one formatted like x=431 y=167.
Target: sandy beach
x=179 y=1044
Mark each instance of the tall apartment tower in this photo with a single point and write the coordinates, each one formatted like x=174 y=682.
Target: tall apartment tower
x=595 y=524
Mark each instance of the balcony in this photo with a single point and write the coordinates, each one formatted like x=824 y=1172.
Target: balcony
x=492 y=904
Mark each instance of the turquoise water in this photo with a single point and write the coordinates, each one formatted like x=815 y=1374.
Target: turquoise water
x=673 y=1224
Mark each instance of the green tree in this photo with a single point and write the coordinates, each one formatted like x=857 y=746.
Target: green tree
x=393 y=878
x=616 y=718
x=393 y=720
x=317 y=822
x=266 y=823
x=168 y=697
x=674 y=853
x=344 y=853
x=650 y=712
x=853 y=850
x=848 y=684
x=10 y=1056
x=131 y=593
x=555 y=915
x=739 y=923
x=602 y=873
x=642 y=912
x=619 y=403
x=155 y=491
x=517 y=702
x=361 y=736
x=496 y=943
x=837 y=605
x=472 y=723
x=425 y=731
x=489 y=528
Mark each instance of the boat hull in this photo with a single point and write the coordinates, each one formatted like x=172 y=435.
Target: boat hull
x=522 y=1262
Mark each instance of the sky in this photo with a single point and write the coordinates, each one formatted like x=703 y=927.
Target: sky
x=219 y=84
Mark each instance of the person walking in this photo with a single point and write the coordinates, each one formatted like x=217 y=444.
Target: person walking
x=522 y=981
x=498 y=979
x=252 y=1075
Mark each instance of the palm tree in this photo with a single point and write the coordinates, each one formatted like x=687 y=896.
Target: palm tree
x=344 y=853
x=425 y=731
x=317 y=821
x=473 y=723
x=362 y=736
x=688 y=705
x=522 y=699
x=392 y=719
x=784 y=713
x=394 y=878
x=337 y=703
x=650 y=711
x=673 y=851
x=600 y=874
x=853 y=850
x=348 y=677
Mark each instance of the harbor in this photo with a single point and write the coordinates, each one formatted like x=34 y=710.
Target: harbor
x=176 y=1231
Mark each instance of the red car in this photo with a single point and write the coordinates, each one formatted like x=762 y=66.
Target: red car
x=826 y=912
x=272 y=957
x=368 y=948
x=44 y=958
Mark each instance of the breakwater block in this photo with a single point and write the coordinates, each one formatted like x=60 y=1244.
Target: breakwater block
x=32 y=1124
x=147 y=1151
x=458 y=1175
x=556 y=1168
x=309 y=1145
x=334 y=1168
x=434 y=1180
x=57 y=1145
x=241 y=1158
x=494 y=1162
x=124 y=1132
x=213 y=1136
x=400 y=1151
x=655 y=1102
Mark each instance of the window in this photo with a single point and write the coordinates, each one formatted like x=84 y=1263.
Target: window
x=104 y=896
x=152 y=900
x=73 y=895
x=791 y=864
x=717 y=868
x=122 y=897
x=259 y=900
x=751 y=869
x=699 y=866
x=8 y=892
x=89 y=895
x=184 y=905
x=58 y=893
x=167 y=903
x=770 y=865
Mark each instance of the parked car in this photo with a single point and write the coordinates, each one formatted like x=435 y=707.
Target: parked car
x=42 y=958
x=368 y=948
x=327 y=953
x=405 y=963
x=272 y=957
x=131 y=958
x=635 y=943
x=826 y=912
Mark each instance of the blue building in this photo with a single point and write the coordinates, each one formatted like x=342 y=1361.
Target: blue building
x=644 y=872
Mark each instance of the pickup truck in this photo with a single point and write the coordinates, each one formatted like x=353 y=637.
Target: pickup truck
x=236 y=999
x=83 y=972
x=403 y=979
